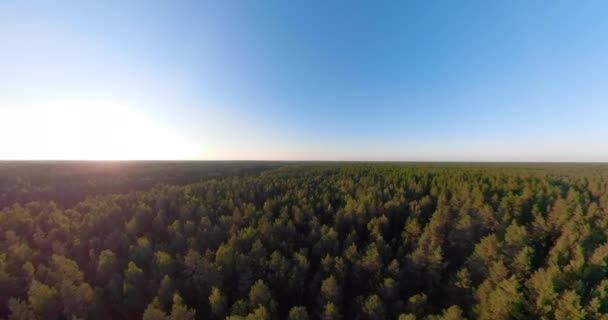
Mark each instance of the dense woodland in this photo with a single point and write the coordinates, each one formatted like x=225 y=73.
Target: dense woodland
x=69 y=182
x=313 y=241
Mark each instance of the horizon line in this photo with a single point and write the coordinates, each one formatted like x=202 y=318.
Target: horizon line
x=308 y=160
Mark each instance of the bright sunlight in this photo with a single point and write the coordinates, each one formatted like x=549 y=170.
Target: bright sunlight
x=87 y=131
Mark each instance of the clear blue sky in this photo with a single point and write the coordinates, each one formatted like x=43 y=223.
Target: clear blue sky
x=340 y=80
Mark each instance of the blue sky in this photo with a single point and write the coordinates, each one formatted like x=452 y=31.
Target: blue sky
x=308 y=80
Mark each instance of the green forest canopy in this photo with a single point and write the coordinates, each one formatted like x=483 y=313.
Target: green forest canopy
x=306 y=241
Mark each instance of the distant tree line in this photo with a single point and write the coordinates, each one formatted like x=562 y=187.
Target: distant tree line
x=320 y=241
x=69 y=182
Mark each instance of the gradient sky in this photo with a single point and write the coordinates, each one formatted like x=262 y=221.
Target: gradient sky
x=309 y=80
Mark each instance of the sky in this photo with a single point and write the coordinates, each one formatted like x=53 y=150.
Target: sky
x=304 y=80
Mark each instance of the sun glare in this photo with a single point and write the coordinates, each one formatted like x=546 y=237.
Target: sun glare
x=87 y=131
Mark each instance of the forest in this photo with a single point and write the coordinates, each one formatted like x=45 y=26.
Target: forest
x=261 y=240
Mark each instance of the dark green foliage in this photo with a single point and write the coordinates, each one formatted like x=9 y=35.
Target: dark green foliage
x=217 y=303
x=298 y=313
x=305 y=241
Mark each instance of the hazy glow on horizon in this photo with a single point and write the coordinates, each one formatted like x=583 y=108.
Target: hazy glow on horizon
x=87 y=131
